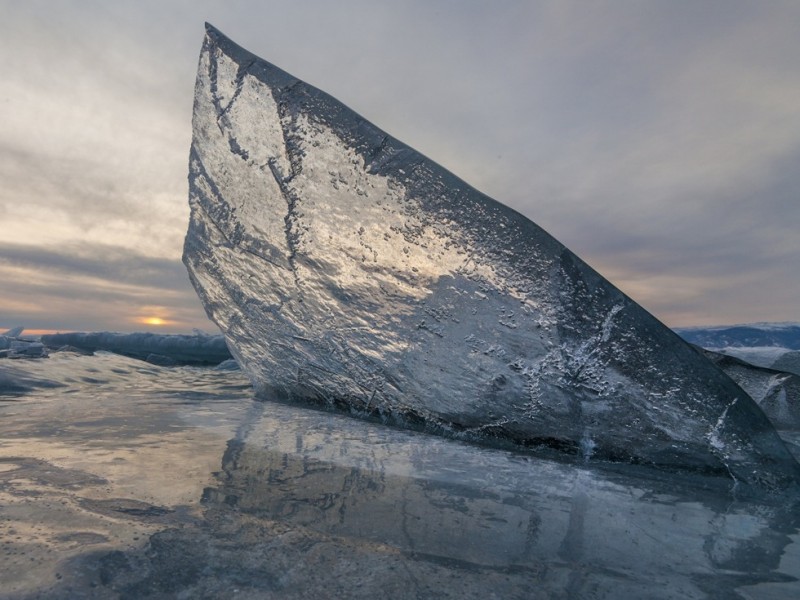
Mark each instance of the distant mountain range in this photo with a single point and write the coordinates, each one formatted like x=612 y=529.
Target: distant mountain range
x=779 y=335
x=770 y=345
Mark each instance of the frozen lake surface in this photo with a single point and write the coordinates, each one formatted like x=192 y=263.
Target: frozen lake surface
x=123 y=479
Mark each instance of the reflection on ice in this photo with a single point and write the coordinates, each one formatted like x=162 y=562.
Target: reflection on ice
x=101 y=481
x=571 y=528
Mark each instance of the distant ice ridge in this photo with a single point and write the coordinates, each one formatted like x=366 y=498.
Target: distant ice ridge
x=347 y=270
x=155 y=348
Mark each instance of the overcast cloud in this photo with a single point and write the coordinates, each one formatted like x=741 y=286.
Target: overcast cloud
x=658 y=140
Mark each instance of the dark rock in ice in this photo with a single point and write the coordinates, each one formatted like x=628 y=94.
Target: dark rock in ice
x=347 y=270
x=776 y=392
x=169 y=349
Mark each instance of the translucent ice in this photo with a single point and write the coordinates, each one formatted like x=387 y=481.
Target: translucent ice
x=13 y=346
x=347 y=270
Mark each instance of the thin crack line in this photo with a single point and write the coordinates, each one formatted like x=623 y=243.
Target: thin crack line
x=291 y=204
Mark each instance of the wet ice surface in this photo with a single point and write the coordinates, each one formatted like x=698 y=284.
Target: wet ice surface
x=99 y=453
x=122 y=479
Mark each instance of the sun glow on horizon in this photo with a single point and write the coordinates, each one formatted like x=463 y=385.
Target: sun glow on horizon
x=154 y=316
x=153 y=321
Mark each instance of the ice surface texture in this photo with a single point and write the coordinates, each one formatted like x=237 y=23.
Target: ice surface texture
x=347 y=270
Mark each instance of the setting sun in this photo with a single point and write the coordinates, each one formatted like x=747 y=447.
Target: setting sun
x=153 y=321
x=154 y=316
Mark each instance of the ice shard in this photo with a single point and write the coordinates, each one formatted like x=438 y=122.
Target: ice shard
x=776 y=392
x=347 y=270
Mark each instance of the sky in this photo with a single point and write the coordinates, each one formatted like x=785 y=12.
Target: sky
x=658 y=140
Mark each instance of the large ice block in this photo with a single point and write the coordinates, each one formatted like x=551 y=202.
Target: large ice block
x=347 y=270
